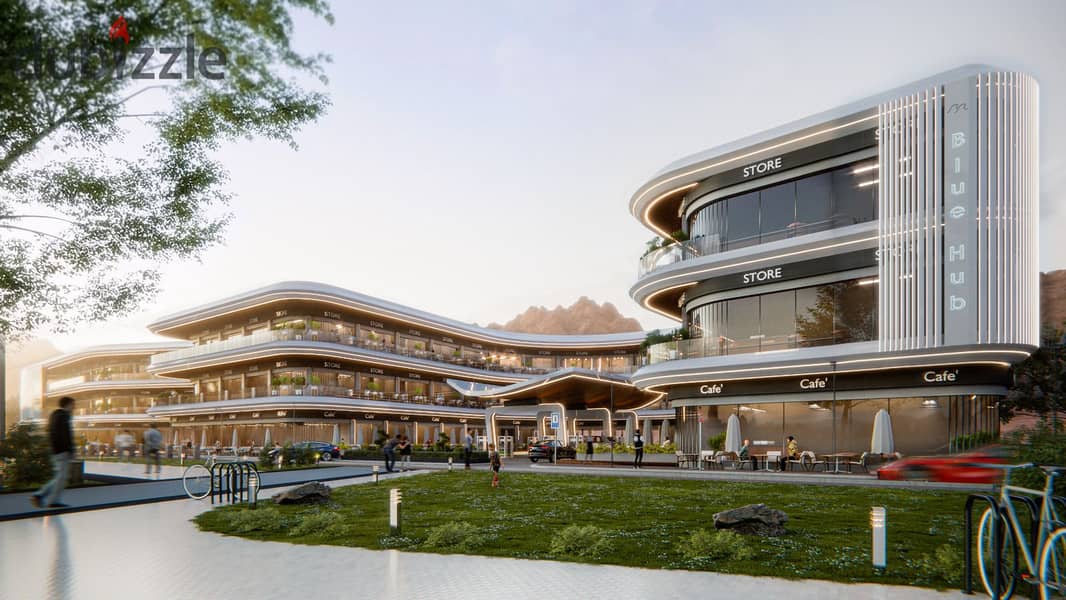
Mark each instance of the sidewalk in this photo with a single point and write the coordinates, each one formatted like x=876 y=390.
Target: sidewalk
x=91 y=555
x=17 y=505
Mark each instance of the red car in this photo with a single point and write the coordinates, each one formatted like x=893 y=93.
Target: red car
x=957 y=468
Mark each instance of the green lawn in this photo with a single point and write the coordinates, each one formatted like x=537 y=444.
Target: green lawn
x=645 y=522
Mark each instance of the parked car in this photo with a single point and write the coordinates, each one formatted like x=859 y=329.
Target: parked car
x=326 y=452
x=550 y=449
x=958 y=468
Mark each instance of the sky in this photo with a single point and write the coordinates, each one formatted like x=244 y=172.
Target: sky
x=478 y=157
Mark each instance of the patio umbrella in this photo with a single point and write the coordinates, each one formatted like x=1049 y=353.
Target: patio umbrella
x=881 y=440
x=336 y=435
x=235 y=442
x=266 y=438
x=732 y=434
x=203 y=439
x=175 y=442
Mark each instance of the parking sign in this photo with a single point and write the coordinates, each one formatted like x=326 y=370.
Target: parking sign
x=555 y=420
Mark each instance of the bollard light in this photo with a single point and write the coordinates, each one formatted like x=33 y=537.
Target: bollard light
x=449 y=463
x=183 y=459
x=375 y=473
x=253 y=488
x=395 y=500
x=878 y=525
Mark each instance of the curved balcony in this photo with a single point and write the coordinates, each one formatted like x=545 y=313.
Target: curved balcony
x=315 y=335
x=713 y=244
x=723 y=346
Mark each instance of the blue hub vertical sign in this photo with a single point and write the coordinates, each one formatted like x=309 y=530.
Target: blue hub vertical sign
x=961 y=215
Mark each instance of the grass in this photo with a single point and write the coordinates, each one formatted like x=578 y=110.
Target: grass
x=644 y=522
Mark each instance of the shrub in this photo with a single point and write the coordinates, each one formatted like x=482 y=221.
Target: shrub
x=945 y=563
x=716 y=442
x=266 y=519
x=443 y=442
x=715 y=544
x=320 y=523
x=586 y=541
x=29 y=454
x=973 y=440
x=458 y=535
x=1044 y=444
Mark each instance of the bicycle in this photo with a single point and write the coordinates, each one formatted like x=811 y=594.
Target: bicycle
x=197 y=479
x=1045 y=556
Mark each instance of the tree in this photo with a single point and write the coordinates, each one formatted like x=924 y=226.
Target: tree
x=1038 y=380
x=82 y=235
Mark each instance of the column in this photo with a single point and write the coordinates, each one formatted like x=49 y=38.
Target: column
x=631 y=422
x=646 y=430
x=664 y=432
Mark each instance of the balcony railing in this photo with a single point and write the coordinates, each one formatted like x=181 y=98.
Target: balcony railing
x=723 y=346
x=333 y=391
x=706 y=245
x=97 y=378
x=316 y=335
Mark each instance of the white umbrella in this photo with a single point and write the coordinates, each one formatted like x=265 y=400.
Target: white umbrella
x=266 y=438
x=203 y=439
x=336 y=435
x=235 y=443
x=175 y=442
x=881 y=440
x=732 y=434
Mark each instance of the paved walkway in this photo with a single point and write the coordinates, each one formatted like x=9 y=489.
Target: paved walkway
x=154 y=551
x=17 y=505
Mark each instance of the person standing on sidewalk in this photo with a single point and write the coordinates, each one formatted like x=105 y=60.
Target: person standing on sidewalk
x=589 y=449
x=389 y=449
x=638 y=450
x=495 y=463
x=153 y=443
x=61 y=439
x=124 y=441
x=468 y=449
x=405 y=453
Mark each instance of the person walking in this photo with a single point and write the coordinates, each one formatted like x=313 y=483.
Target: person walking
x=124 y=441
x=638 y=450
x=153 y=443
x=61 y=438
x=588 y=448
x=405 y=453
x=468 y=449
x=495 y=463
x=389 y=449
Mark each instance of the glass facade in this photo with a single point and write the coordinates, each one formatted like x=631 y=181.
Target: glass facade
x=920 y=425
x=834 y=313
x=827 y=200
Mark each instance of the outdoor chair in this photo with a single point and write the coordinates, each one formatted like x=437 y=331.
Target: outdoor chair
x=807 y=461
x=861 y=463
x=683 y=460
x=709 y=459
x=729 y=460
x=773 y=457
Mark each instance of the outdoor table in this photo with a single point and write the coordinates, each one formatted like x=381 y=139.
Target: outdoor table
x=766 y=463
x=836 y=456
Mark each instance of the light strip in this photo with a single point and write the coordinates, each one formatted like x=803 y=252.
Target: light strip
x=325 y=298
x=865 y=169
x=550 y=380
x=761 y=150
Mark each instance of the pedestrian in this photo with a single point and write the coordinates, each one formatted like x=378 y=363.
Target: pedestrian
x=389 y=449
x=588 y=448
x=405 y=453
x=61 y=439
x=153 y=443
x=745 y=455
x=468 y=449
x=638 y=450
x=792 y=451
x=125 y=442
x=495 y=463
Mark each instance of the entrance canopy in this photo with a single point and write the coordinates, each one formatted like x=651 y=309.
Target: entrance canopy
x=576 y=389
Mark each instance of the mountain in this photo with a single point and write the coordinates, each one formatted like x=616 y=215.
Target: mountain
x=1053 y=298
x=583 y=316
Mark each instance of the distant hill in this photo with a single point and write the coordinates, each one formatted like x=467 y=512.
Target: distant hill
x=19 y=356
x=582 y=317
x=1053 y=298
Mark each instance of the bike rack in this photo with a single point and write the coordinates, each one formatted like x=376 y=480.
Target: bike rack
x=997 y=552
x=230 y=482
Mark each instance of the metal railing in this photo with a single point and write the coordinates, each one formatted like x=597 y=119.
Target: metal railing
x=722 y=346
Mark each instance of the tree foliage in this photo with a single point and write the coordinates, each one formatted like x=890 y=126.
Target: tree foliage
x=1038 y=380
x=28 y=454
x=82 y=234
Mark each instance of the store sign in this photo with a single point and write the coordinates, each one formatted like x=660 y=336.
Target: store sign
x=405 y=418
x=447 y=339
x=328 y=414
x=330 y=364
x=414 y=376
x=436 y=419
x=813 y=383
x=281 y=363
x=366 y=416
x=377 y=371
x=762 y=275
x=945 y=376
x=848 y=261
x=960 y=210
x=762 y=168
x=414 y=332
x=331 y=315
x=711 y=389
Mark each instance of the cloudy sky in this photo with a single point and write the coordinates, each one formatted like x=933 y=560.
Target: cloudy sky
x=479 y=156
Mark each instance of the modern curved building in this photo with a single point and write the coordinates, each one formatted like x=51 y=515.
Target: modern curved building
x=881 y=255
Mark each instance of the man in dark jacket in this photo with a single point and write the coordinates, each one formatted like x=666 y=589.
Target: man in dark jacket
x=62 y=440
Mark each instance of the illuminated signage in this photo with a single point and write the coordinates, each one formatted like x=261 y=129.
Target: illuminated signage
x=330 y=364
x=715 y=388
x=762 y=275
x=944 y=376
x=331 y=315
x=960 y=210
x=377 y=324
x=813 y=383
x=377 y=371
x=761 y=168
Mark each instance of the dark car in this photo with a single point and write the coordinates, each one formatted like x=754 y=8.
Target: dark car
x=550 y=449
x=325 y=451
x=969 y=467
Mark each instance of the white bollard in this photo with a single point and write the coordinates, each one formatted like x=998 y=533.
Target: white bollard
x=375 y=473
x=449 y=463
x=395 y=500
x=878 y=524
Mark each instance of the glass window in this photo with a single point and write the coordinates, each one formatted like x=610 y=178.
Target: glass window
x=856 y=195
x=778 y=319
x=778 y=207
x=814 y=202
x=814 y=315
x=856 y=312
x=742 y=213
x=742 y=325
